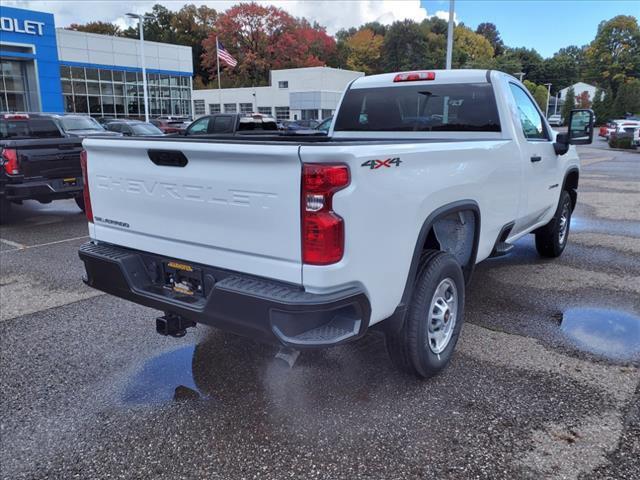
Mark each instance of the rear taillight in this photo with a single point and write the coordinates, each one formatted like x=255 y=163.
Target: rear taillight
x=85 y=192
x=10 y=161
x=414 y=76
x=322 y=228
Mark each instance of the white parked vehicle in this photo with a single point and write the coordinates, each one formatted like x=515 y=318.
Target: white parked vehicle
x=606 y=130
x=309 y=242
x=555 y=120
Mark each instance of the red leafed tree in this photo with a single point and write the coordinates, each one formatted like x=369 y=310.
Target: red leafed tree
x=263 y=38
x=583 y=100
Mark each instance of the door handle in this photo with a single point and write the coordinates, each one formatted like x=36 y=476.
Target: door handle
x=536 y=158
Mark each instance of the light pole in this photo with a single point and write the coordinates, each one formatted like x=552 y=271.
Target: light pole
x=520 y=75
x=546 y=112
x=141 y=18
x=450 y=35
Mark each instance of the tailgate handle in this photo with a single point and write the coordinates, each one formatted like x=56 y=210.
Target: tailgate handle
x=168 y=158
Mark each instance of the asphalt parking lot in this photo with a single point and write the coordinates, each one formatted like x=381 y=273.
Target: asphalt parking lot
x=545 y=382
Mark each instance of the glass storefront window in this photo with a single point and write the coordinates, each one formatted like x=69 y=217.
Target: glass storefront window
x=105 y=76
x=106 y=88
x=120 y=93
x=94 y=106
x=13 y=86
x=93 y=88
x=77 y=72
x=92 y=74
x=79 y=87
x=65 y=72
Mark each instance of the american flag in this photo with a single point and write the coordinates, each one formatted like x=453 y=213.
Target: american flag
x=226 y=56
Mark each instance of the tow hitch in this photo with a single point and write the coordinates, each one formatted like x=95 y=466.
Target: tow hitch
x=174 y=325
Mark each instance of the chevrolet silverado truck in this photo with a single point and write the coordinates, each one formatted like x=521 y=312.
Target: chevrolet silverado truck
x=38 y=161
x=310 y=242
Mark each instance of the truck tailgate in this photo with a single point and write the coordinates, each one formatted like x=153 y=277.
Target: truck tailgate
x=48 y=157
x=234 y=206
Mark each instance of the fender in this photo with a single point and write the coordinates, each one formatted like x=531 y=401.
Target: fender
x=573 y=190
x=395 y=322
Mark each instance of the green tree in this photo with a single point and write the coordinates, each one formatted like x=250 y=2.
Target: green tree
x=627 y=99
x=614 y=55
x=101 y=28
x=491 y=33
x=540 y=96
x=404 y=47
x=561 y=70
x=530 y=86
x=569 y=104
x=599 y=107
x=531 y=61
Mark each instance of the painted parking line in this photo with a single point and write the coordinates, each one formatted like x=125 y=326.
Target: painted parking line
x=13 y=244
x=26 y=247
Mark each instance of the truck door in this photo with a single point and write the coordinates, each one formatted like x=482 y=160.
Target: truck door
x=541 y=165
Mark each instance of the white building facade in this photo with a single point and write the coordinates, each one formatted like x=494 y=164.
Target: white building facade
x=579 y=88
x=293 y=94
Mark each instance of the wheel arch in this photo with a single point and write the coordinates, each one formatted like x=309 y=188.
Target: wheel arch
x=570 y=184
x=427 y=239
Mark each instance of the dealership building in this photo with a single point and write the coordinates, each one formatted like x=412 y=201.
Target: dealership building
x=293 y=94
x=49 y=69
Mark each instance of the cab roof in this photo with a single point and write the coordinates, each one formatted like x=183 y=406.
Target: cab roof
x=441 y=76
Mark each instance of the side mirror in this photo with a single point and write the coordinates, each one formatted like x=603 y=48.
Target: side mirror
x=581 y=127
x=580 y=131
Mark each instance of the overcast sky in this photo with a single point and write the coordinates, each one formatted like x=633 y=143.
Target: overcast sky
x=544 y=25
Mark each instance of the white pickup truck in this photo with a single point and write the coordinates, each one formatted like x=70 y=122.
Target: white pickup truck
x=309 y=242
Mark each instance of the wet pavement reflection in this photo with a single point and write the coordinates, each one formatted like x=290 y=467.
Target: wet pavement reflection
x=609 y=333
x=164 y=378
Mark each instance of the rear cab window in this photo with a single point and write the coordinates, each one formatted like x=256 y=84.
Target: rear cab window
x=468 y=107
x=29 y=128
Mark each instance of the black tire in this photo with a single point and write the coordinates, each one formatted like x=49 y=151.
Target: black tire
x=5 y=211
x=80 y=202
x=411 y=348
x=553 y=237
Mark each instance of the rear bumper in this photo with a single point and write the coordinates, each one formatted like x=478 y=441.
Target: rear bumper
x=254 y=307
x=46 y=189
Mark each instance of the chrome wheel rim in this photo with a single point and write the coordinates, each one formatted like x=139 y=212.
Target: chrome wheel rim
x=563 y=226
x=443 y=313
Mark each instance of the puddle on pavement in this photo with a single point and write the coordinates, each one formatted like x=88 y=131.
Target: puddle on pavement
x=165 y=378
x=601 y=225
x=608 y=333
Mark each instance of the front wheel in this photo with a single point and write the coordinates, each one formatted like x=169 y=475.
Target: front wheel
x=425 y=343
x=552 y=238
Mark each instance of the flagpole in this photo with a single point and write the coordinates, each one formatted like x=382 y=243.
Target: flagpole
x=218 y=65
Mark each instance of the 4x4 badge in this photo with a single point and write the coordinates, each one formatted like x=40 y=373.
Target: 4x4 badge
x=375 y=164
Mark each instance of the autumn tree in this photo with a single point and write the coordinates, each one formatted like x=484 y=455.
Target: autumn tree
x=613 y=57
x=365 y=49
x=263 y=38
x=101 y=28
x=470 y=49
x=583 y=100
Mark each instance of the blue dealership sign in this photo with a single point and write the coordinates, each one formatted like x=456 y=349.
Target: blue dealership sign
x=27 y=28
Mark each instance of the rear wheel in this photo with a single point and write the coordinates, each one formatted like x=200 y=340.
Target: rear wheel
x=425 y=343
x=80 y=202
x=552 y=238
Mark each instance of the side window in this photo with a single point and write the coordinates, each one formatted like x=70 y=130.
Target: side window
x=222 y=124
x=530 y=119
x=199 y=127
x=115 y=127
